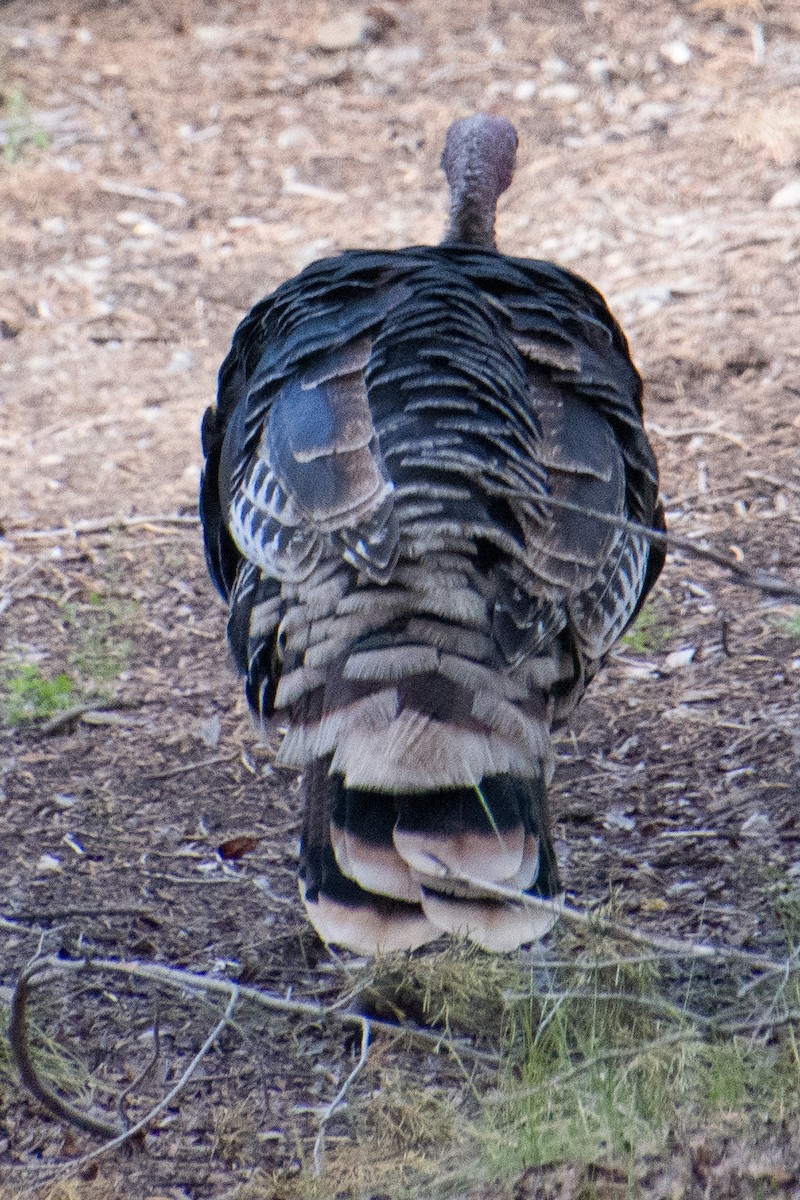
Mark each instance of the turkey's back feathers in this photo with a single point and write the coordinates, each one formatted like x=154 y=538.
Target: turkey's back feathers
x=390 y=429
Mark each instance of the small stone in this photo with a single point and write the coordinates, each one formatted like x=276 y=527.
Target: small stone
x=757 y=825
x=561 y=93
x=146 y=229
x=599 y=70
x=181 y=360
x=788 y=196
x=391 y=63
x=48 y=864
x=617 y=818
x=346 y=32
x=525 y=90
x=677 y=52
x=54 y=225
x=191 y=475
x=209 y=731
x=295 y=135
x=129 y=217
x=211 y=35
x=679 y=659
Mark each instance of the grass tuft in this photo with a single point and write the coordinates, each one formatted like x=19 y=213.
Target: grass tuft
x=460 y=989
x=649 y=632
x=63 y=1070
x=33 y=696
x=21 y=132
x=101 y=647
x=791 y=624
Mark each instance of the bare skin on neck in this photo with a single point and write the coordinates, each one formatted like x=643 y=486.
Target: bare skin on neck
x=478 y=160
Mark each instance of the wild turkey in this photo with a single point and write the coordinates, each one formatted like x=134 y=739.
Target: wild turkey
x=390 y=427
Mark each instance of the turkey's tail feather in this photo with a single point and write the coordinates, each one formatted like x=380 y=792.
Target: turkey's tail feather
x=384 y=872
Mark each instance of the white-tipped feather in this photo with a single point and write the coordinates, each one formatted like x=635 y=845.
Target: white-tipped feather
x=494 y=926
x=367 y=930
x=491 y=856
x=378 y=869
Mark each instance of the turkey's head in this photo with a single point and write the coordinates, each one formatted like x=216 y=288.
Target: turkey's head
x=479 y=157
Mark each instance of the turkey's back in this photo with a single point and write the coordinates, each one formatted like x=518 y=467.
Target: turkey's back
x=397 y=501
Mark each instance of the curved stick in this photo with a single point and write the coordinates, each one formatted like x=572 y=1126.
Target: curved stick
x=40 y=971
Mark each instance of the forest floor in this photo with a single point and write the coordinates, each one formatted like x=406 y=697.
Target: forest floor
x=163 y=166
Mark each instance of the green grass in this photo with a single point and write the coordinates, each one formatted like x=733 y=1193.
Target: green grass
x=603 y=1062
x=21 y=132
x=34 y=696
x=101 y=647
x=791 y=624
x=610 y=1079
x=99 y=651
x=603 y=1066
x=649 y=632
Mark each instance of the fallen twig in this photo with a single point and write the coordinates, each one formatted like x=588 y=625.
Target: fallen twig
x=127 y=1134
x=182 y=768
x=41 y=970
x=59 y=914
x=98 y=525
x=339 y=1097
x=146 y=1069
x=758 y=579
x=76 y=711
x=773 y=480
x=191 y=981
x=134 y=191
x=45 y=969
x=661 y=1007
x=696 y=431
x=673 y=946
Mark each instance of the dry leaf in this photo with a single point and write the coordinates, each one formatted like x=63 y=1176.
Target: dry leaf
x=237 y=847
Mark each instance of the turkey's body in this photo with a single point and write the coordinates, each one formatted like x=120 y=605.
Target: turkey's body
x=390 y=430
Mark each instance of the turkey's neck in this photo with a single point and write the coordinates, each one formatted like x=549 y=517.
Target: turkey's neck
x=472 y=211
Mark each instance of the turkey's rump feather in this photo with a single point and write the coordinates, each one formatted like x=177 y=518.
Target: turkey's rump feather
x=389 y=429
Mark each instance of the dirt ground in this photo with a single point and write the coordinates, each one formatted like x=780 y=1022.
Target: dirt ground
x=166 y=165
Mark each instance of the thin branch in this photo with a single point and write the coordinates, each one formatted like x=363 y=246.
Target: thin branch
x=23 y=919
x=99 y=525
x=46 y=969
x=91 y=705
x=183 y=768
x=41 y=970
x=146 y=1069
x=665 y=1009
x=15 y=926
x=772 y=584
x=339 y=1097
x=773 y=480
x=591 y=921
x=657 y=1004
x=696 y=430
x=758 y=579
x=164 y=1102
x=134 y=191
